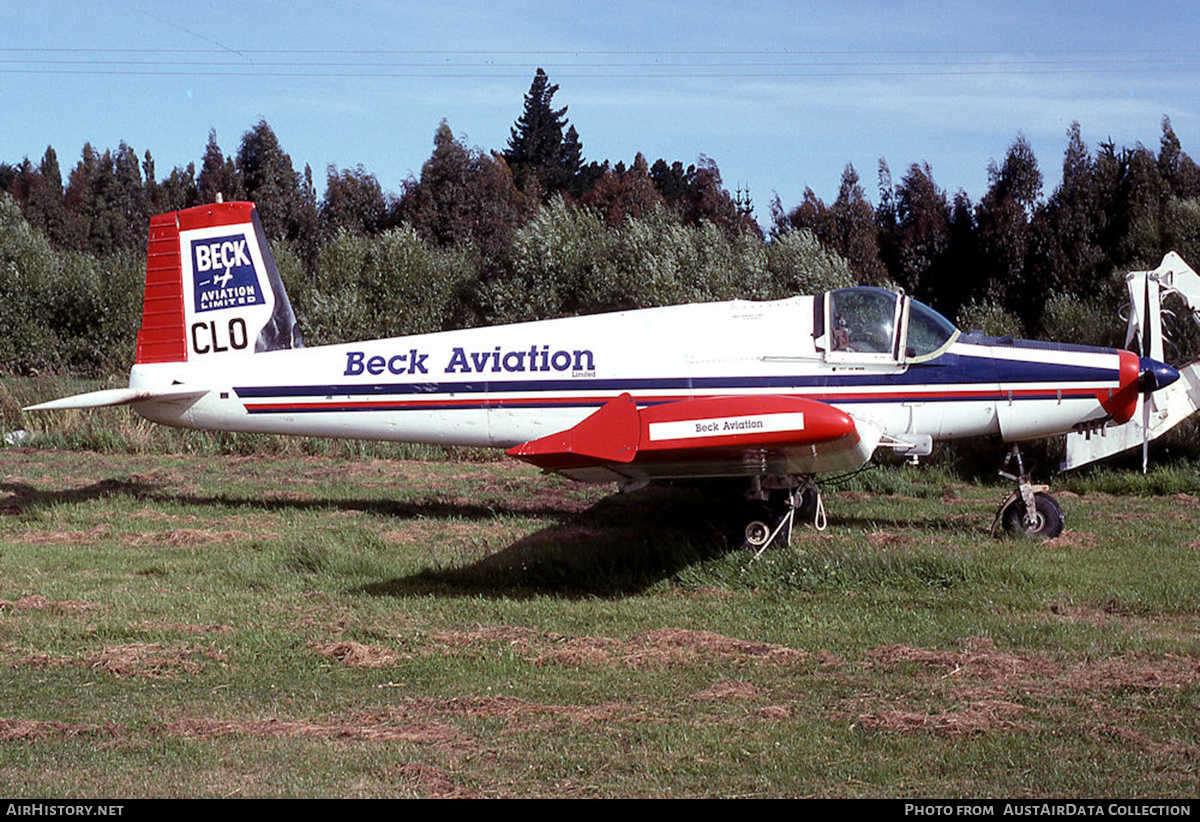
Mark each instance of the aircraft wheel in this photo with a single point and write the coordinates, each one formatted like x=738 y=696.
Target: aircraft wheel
x=806 y=514
x=758 y=525
x=757 y=533
x=1048 y=518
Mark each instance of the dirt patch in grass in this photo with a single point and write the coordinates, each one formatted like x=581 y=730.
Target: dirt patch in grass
x=1078 y=540
x=1135 y=738
x=418 y=721
x=183 y=537
x=983 y=663
x=41 y=659
x=728 y=690
x=147 y=660
x=365 y=727
x=663 y=648
x=35 y=730
x=979 y=659
x=36 y=602
x=172 y=538
x=430 y=782
x=77 y=538
x=1134 y=672
x=984 y=716
x=357 y=655
x=988 y=690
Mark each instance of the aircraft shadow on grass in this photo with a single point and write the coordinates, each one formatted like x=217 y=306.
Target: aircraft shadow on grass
x=623 y=544
x=26 y=498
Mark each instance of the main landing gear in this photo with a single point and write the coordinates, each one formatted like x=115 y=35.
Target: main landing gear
x=774 y=505
x=1028 y=510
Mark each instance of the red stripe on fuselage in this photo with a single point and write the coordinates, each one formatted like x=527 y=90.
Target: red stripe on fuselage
x=1101 y=395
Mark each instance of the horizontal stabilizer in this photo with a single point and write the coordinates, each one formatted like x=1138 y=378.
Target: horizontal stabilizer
x=726 y=436
x=120 y=396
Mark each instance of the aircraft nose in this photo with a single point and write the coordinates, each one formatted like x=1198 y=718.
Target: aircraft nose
x=1153 y=375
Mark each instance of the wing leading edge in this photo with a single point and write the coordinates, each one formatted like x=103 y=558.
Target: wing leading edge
x=706 y=437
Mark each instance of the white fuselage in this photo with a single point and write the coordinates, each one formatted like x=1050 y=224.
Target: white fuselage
x=505 y=385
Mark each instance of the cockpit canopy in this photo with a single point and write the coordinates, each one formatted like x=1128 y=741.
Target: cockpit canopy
x=874 y=324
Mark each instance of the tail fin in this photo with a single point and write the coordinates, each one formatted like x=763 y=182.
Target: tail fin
x=212 y=288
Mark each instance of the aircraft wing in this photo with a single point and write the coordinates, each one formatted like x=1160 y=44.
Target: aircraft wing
x=120 y=396
x=704 y=437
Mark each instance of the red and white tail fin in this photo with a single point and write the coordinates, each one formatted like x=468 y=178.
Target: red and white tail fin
x=212 y=288
x=212 y=291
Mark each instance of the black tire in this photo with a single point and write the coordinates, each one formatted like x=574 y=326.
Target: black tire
x=806 y=514
x=1048 y=517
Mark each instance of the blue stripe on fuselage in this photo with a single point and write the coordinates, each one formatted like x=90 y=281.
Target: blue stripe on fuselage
x=949 y=369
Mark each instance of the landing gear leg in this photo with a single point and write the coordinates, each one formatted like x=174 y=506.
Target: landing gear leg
x=773 y=515
x=1028 y=510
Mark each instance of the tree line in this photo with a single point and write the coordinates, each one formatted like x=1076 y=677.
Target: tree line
x=534 y=230
x=1016 y=261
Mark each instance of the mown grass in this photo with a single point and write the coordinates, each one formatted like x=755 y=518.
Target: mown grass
x=300 y=625
x=199 y=616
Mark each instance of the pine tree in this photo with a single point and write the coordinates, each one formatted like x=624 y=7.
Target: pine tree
x=857 y=238
x=922 y=236
x=43 y=204
x=537 y=149
x=177 y=190
x=130 y=201
x=1004 y=215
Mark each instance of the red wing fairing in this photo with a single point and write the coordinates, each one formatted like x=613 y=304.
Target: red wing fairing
x=710 y=436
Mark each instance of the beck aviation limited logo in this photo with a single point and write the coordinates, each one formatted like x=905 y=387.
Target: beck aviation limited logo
x=223 y=273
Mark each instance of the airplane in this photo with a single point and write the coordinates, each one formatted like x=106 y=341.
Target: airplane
x=774 y=394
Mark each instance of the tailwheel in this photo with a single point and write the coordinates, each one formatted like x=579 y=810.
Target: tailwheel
x=760 y=524
x=758 y=533
x=1046 y=520
x=770 y=513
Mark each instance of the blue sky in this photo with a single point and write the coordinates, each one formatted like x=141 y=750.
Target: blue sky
x=781 y=95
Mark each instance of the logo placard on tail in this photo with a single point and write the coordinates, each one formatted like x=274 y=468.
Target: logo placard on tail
x=224 y=275
x=230 y=298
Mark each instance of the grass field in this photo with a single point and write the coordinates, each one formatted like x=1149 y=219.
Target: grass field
x=300 y=625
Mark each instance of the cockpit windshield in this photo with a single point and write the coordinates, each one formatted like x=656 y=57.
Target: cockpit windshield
x=927 y=330
x=864 y=320
x=867 y=321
